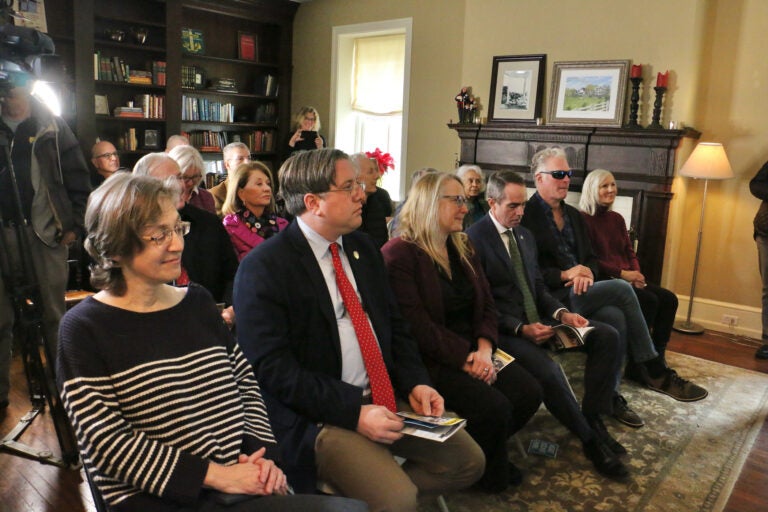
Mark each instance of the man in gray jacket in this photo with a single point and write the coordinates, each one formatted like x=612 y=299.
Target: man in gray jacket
x=53 y=186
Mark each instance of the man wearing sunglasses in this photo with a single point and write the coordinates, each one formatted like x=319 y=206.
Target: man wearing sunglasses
x=569 y=265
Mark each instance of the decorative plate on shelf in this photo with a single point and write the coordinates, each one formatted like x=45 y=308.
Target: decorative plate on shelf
x=192 y=41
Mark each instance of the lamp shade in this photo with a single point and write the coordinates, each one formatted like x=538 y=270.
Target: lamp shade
x=708 y=161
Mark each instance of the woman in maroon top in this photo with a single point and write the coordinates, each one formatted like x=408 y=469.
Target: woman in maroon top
x=617 y=258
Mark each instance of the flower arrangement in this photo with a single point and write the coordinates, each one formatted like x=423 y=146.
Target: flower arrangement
x=384 y=160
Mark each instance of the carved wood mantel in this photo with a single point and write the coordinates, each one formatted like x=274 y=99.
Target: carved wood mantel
x=642 y=161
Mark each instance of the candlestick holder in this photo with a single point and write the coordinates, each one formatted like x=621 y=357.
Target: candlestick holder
x=656 y=121
x=634 y=101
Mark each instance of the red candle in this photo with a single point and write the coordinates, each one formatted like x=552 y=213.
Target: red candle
x=661 y=79
x=637 y=71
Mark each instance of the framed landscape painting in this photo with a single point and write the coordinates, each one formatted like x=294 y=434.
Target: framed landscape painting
x=589 y=93
x=517 y=85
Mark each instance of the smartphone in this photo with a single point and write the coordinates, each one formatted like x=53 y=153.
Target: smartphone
x=308 y=135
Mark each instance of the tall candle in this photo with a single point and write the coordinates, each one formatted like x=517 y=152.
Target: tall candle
x=637 y=71
x=661 y=79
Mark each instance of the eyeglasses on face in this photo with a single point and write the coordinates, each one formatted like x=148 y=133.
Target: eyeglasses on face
x=194 y=177
x=558 y=175
x=113 y=154
x=163 y=236
x=459 y=200
x=353 y=187
x=310 y=119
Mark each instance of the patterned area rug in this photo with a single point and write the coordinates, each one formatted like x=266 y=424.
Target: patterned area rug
x=686 y=458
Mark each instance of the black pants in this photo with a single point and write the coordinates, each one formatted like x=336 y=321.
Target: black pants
x=659 y=307
x=493 y=413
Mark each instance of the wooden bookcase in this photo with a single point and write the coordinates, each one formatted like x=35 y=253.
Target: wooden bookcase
x=257 y=113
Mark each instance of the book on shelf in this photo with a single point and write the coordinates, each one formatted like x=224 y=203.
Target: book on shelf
x=567 y=336
x=268 y=86
x=435 y=428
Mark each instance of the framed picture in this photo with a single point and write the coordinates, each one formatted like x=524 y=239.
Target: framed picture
x=151 y=139
x=517 y=87
x=192 y=41
x=101 y=105
x=588 y=93
x=247 y=46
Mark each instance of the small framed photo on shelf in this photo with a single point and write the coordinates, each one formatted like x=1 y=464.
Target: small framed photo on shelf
x=101 y=105
x=247 y=46
x=588 y=93
x=192 y=41
x=517 y=85
x=151 y=139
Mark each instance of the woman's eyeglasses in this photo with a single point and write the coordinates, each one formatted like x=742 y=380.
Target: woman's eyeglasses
x=558 y=175
x=459 y=200
x=163 y=236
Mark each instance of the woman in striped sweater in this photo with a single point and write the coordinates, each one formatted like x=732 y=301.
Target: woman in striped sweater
x=166 y=410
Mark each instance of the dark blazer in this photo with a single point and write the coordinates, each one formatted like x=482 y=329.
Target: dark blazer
x=208 y=256
x=497 y=265
x=550 y=259
x=288 y=331
x=416 y=284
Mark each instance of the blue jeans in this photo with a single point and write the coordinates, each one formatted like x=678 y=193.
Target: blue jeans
x=614 y=303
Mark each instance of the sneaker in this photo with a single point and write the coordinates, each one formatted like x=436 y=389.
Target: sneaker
x=762 y=352
x=670 y=383
x=624 y=414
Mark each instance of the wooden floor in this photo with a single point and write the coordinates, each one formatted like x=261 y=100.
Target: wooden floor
x=28 y=486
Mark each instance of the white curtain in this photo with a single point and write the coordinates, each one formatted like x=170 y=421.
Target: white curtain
x=377 y=76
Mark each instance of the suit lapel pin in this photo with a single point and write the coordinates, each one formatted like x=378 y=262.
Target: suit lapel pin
x=356 y=255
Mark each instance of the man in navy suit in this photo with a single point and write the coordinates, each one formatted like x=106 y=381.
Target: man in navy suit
x=526 y=338
x=294 y=328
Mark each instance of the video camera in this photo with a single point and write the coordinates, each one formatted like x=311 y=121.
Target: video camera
x=26 y=54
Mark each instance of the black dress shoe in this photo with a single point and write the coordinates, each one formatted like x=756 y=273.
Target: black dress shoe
x=604 y=460
x=602 y=433
x=762 y=352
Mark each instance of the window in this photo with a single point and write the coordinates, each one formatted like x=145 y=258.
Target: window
x=371 y=65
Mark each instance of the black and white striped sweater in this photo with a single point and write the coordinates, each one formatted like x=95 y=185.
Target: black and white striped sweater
x=154 y=396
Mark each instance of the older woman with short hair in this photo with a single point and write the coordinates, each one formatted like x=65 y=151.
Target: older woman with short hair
x=474 y=186
x=166 y=409
x=443 y=293
x=617 y=259
x=249 y=210
x=192 y=172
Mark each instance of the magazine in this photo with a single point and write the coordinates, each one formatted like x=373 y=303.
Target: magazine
x=435 y=428
x=567 y=336
x=501 y=359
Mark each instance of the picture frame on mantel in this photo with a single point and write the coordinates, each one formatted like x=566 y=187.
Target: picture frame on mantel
x=588 y=93
x=517 y=88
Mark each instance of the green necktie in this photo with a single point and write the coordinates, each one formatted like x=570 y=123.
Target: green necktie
x=517 y=265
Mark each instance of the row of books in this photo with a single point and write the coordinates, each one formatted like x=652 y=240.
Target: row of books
x=269 y=86
x=152 y=105
x=203 y=109
x=115 y=69
x=259 y=141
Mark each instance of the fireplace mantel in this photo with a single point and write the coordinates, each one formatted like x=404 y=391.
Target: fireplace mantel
x=643 y=162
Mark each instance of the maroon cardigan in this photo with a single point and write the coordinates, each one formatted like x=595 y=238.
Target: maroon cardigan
x=416 y=284
x=610 y=242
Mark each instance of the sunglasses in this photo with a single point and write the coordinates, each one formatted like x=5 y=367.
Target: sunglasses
x=558 y=175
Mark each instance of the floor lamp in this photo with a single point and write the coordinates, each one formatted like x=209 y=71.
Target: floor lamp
x=707 y=162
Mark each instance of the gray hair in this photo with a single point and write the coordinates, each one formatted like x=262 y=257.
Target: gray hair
x=307 y=172
x=232 y=146
x=498 y=181
x=464 y=169
x=188 y=158
x=149 y=162
x=175 y=141
x=539 y=160
x=590 y=190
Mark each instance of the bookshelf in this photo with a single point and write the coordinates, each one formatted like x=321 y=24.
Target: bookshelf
x=115 y=38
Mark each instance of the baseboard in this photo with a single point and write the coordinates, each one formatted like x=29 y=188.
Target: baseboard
x=709 y=314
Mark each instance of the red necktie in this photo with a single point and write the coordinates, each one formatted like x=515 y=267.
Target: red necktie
x=381 y=385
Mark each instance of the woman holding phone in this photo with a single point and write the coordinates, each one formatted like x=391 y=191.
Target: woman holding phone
x=306 y=130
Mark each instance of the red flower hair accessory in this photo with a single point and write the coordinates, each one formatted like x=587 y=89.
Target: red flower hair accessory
x=384 y=160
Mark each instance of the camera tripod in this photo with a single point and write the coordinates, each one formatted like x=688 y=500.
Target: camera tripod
x=24 y=292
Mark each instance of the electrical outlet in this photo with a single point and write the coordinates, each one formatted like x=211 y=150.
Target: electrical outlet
x=730 y=320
